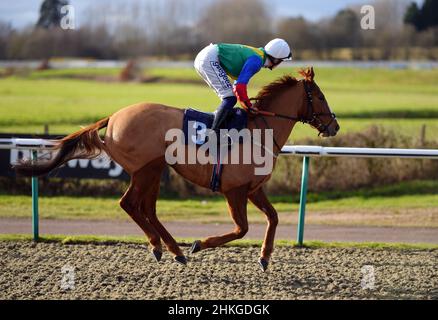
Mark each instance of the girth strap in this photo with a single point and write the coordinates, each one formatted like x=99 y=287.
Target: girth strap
x=217 y=173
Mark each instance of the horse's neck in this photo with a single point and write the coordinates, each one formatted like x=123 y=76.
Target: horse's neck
x=289 y=104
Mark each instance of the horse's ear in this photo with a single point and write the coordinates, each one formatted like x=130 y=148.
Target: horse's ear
x=308 y=74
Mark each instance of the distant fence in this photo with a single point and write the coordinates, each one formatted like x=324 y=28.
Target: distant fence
x=33 y=146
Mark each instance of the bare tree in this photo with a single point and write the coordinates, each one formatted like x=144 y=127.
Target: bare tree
x=344 y=30
x=5 y=38
x=50 y=13
x=163 y=27
x=301 y=34
x=244 y=21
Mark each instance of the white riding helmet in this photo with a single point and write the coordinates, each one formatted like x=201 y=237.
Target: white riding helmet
x=278 y=49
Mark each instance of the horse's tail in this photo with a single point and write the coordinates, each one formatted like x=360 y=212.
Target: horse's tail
x=84 y=144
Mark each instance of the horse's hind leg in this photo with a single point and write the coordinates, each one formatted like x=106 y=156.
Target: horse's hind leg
x=237 y=201
x=130 y=202
x=148 y=183
x=259 y=199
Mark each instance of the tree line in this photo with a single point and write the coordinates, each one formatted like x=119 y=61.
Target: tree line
x=180 y=28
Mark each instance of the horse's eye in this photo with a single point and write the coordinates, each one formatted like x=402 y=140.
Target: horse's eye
x=322 y=98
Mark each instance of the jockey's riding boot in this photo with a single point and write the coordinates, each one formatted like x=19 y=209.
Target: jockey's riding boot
x=222 y=113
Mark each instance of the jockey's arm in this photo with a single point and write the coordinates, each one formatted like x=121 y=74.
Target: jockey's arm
x=252 y=65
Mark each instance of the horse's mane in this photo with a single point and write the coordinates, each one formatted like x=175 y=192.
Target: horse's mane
x=272 y=90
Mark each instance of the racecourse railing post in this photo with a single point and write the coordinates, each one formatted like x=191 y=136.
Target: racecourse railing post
x=303 y=199
x=35 y=222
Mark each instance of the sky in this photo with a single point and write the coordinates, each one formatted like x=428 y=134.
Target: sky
x=23 y=12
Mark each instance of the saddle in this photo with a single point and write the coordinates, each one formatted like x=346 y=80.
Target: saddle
x=195 y=127
x=196 y=123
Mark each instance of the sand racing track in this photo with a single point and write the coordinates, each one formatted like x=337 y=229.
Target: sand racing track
x=127 y=271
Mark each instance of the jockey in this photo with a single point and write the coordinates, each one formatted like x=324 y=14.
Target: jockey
x=216 y=62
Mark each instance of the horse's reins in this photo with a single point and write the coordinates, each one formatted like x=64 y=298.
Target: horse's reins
x=321 y=127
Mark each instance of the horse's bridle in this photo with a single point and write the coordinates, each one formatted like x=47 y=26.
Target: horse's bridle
x=313 y=120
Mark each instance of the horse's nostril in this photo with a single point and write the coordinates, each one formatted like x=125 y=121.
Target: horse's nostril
x=337 y=127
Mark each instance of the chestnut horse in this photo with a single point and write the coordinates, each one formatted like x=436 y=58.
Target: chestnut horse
x=135 y=138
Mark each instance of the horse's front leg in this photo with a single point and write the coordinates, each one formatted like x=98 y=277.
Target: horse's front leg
x=237 y=201
x=261 y=201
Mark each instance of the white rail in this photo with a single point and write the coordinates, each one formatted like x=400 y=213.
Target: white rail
x=317 y=151
x=305 y=151
x=26 y=144
x=308 y=151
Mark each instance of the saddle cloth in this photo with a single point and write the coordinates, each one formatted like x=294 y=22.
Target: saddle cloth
x=195 y=125
x=198 y=122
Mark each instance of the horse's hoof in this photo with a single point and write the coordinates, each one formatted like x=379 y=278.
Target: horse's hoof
x=181 y=259
x=263 y=264
x=157 y=254
x=196 y=246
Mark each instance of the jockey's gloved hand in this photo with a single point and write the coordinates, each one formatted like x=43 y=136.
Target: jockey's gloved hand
x=249 y=107
x=240 y=91
x=253 y=110
x=247 y=104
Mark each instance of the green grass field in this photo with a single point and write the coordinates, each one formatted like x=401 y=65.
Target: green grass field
x=352 y=93
x=406 y=204
x=399 y=100
x=358 y=93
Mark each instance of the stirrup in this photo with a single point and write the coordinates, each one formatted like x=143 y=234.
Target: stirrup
x=215 y=181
